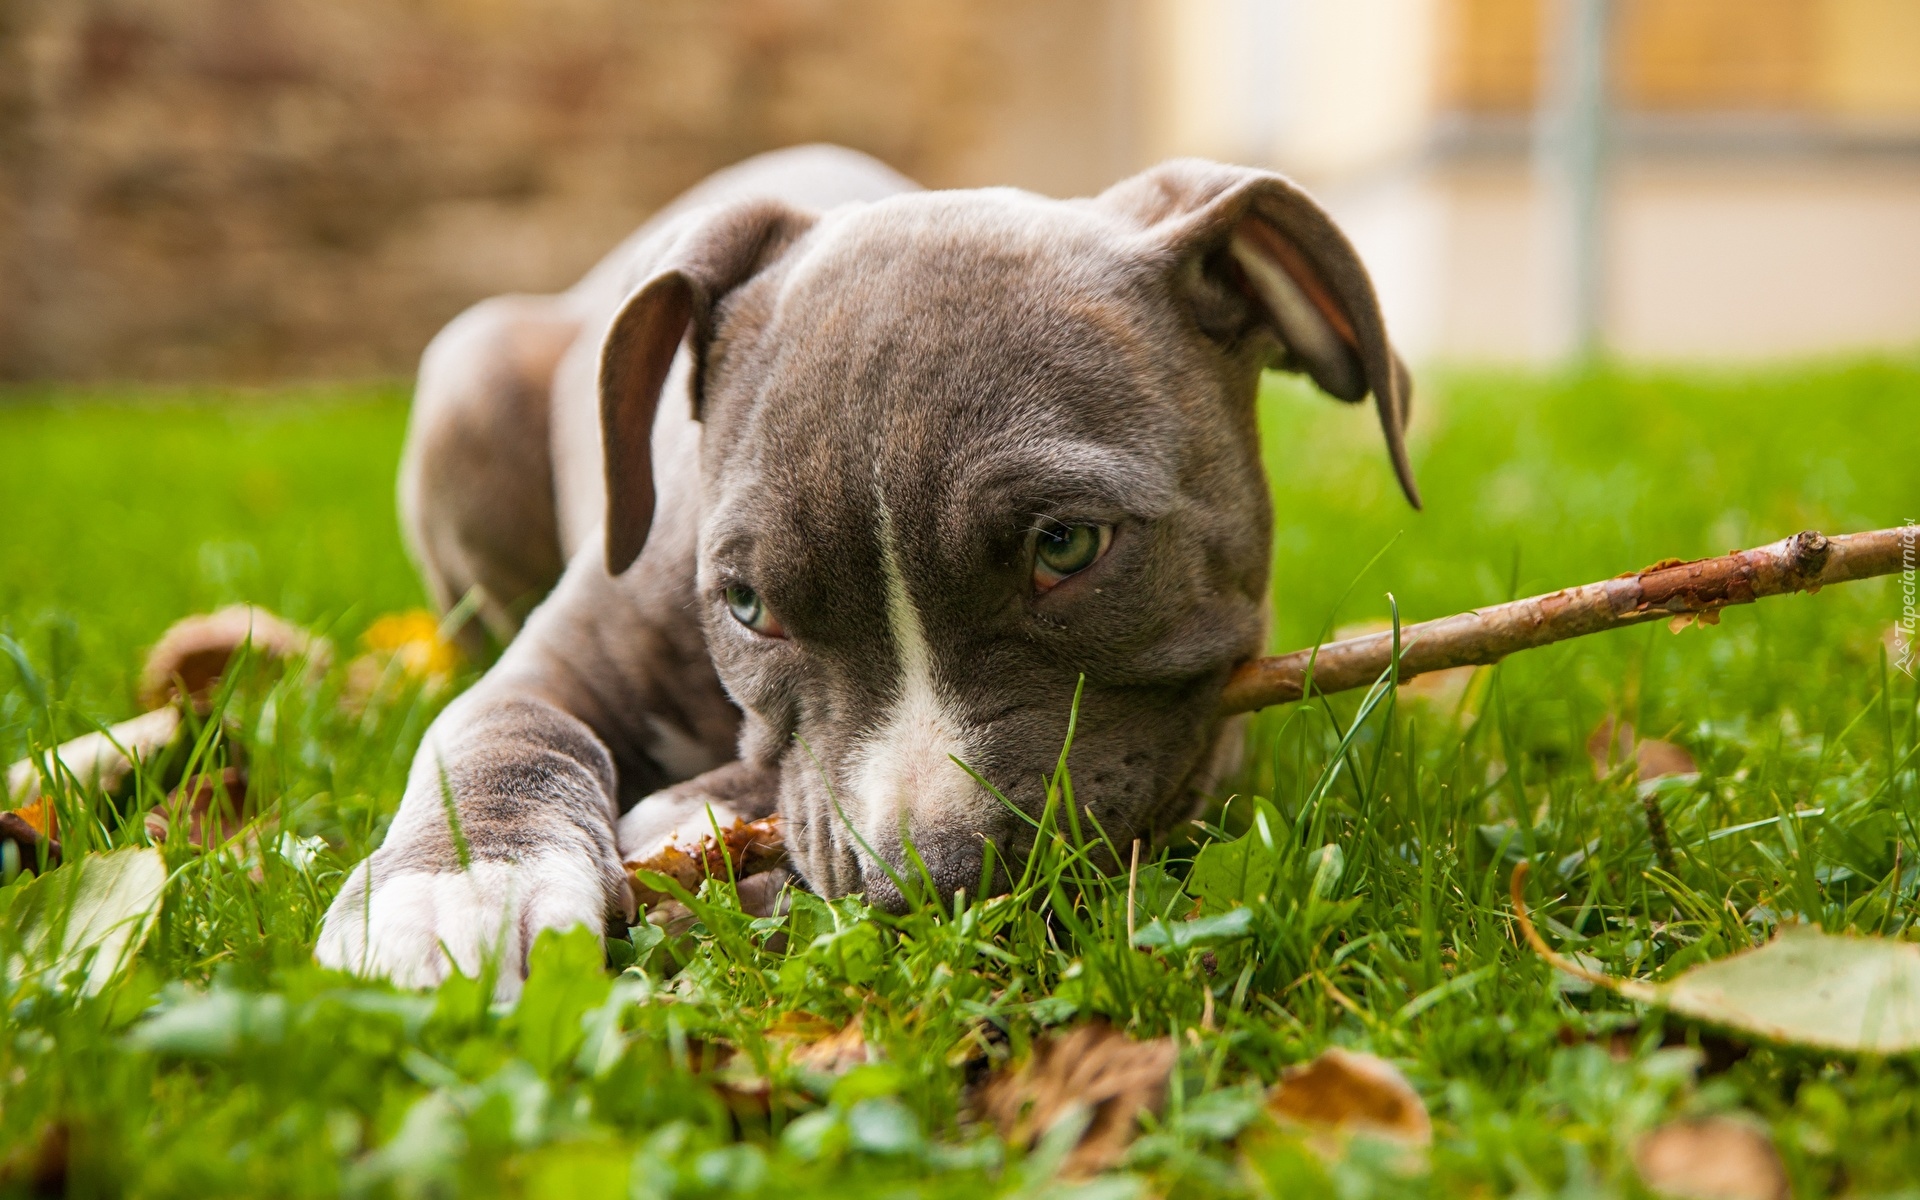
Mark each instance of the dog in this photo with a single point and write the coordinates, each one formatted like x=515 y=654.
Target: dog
x=822 y=485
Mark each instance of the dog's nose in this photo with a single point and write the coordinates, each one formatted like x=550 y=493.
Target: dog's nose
x=947 y=861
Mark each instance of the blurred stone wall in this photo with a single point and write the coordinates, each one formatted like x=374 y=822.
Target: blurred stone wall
x=242 y=189
x=1852 y=63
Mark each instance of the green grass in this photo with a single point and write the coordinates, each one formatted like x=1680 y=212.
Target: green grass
x=224 y=1063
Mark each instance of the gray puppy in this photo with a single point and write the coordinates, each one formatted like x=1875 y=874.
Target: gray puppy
x=822 y=482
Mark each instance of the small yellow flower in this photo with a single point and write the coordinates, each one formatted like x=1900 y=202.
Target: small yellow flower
x=412 y=639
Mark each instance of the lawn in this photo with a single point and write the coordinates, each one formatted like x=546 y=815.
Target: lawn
x=223 y=1063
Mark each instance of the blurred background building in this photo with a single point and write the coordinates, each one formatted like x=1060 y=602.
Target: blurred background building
x=244 y=189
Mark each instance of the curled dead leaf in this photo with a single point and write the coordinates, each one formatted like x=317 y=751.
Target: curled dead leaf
x=1614 y=744
x=100 y=759
x=1094 y=1068
x=32 y=830
x=1712 y=1158
x=39 y=818
x=748 y=848
x=193 y=653
x=1346 y=1092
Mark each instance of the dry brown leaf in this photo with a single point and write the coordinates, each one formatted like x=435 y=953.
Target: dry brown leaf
x=1609 y=745
x=1343 y=1092
x=1686 y=621
x=1656 y=759
x=1712 y=1158
x=751 y=847
x=1096 y=1067
x=1613 y=743
x=194 y=652
x=816 y=1047
x=835 y=1054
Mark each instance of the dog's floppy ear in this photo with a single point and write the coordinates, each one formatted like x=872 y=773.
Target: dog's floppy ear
x=1244 y=241
x=706 y=261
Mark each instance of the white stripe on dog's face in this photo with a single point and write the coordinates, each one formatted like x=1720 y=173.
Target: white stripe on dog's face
x=903 y=768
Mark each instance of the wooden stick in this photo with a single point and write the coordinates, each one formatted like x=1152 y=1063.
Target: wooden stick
x=1668 y=590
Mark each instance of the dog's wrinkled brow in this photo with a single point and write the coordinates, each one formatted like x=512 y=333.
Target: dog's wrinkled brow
x=1066 y=477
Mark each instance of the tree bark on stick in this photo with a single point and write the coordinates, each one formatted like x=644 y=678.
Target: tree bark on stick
x=1669 y=590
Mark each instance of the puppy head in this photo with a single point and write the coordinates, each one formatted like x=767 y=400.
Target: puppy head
x=964 y=450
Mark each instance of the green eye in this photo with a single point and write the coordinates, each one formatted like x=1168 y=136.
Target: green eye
x=1063 y=550
x=748 y=609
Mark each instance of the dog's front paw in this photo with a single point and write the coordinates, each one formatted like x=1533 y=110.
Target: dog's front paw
x=414 y=926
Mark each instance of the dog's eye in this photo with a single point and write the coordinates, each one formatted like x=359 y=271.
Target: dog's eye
x=1063 y=550
x=748 y=609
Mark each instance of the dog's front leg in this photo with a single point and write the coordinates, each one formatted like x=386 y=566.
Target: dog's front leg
x=506 y=829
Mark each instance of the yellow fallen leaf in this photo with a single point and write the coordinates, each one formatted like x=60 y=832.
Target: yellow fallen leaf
x=87 y=918
x=1850 y=994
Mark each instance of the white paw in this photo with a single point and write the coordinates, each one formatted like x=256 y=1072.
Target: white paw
x=415 y=926
x=666 y=819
